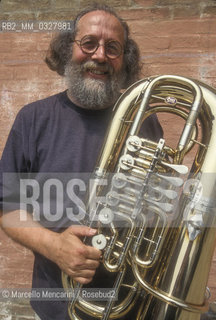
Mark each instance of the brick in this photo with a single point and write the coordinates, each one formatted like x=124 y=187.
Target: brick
x=6 y=73
x=149 y=44
x=209 y=11
x=189 y=42
x=35 y=86
x=26 y=50
x=173 y=2
x=24 y=43
x=56 y=15
x=175 y=27
x=21 y=307
x=190 y=10
x=20 y=277
x=79 y=5
x=4 y=309
x=16 y=310
x=46 y=73
x=7 y=39
x=68 y=5
x=209 y=72
x=5 y=45
x=184 y=70
x=160 y=59
x=146 y=3
x=17 y=16
x=25 y=72
x=208 y=42
x=26 y=5
x=22 y=58
x=43 y=41
x=147 y=14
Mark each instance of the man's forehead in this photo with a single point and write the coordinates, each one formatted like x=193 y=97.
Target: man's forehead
x=100 y=18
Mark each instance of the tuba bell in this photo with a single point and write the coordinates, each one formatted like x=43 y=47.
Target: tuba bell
x=155 y=218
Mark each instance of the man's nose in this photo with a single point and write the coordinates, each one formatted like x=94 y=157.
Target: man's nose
x=100 y=54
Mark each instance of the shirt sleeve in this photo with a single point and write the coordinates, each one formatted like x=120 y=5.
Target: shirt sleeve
x=12 y=163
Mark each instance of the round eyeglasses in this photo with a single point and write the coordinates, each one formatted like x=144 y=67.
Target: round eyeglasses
x=90 y=44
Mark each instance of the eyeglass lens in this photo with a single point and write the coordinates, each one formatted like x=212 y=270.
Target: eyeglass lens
x=89 y=45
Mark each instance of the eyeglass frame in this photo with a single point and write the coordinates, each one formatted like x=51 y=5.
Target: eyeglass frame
x=78 y=42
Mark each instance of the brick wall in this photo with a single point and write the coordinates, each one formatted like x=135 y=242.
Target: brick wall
x=175 y=37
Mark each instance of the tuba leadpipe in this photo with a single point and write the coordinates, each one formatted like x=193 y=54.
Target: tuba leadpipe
x=156 y=221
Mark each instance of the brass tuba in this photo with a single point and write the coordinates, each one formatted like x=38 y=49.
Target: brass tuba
x=156 y=222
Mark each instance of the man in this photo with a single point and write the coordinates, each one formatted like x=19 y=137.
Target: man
x=63 y=134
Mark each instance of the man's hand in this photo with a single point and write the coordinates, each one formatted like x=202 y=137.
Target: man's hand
x=66 y=249
x=74 y=257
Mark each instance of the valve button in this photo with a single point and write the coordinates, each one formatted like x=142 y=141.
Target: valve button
x=126 y=162
x=106 y=216
x=112 y=198
x=119 y=180
x=133 y=143
x=99 y=241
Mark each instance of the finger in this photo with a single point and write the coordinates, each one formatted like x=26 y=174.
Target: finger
x=81 y=231
x=93 y=253
x=84 y=265
x=81 y=273
x=82 y=280
x=88 y=264
x=92 y=264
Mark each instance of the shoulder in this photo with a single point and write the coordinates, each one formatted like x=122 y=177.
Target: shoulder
x=39 y=110
x=42 y=105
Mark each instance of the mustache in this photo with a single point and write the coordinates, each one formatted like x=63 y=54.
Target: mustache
x=93 y=65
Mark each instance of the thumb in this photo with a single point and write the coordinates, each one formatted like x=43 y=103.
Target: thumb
x=81 y=231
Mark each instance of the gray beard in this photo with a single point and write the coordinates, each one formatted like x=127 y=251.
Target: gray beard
x=92 y=93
